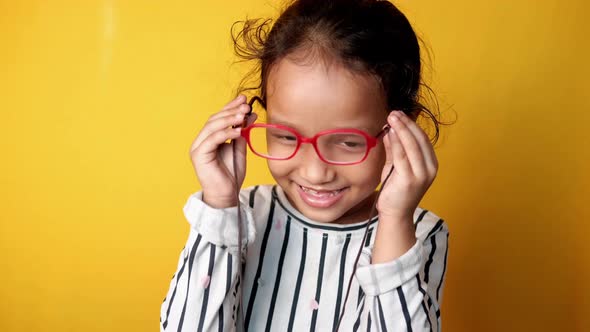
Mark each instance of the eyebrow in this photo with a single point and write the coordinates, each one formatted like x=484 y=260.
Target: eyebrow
x=290 y=125
x=280 y=122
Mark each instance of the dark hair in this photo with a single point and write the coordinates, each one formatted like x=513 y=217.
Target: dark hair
x=366 y=36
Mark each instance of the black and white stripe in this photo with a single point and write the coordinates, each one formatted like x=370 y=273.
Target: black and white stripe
x=296 y=273
x=259 y=268
x=188 y=280
x=273 y=299
x=206 y=295
x=341 y=278
x=298 y=282
x=319 y=283
x=178 y=276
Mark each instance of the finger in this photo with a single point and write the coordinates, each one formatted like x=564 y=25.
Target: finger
x=207 y=150
x=250 y=119
x=387 y=147
x=409 y=143
x=240 y=142
x=241 y=108
x=239 y=150
x=424 y=142
x=388 y=157
x=398 y=153
x=240 y=99
x=233 y=119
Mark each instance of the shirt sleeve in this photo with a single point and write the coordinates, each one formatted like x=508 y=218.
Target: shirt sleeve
x=204 y=292
x=406 y=293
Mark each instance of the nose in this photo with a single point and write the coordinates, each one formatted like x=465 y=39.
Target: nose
x=312 y=168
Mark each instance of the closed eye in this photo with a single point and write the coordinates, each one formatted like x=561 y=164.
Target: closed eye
x=352 y=144
x=285 y=137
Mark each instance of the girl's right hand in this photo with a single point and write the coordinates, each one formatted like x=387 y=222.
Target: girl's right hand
x=213 y=158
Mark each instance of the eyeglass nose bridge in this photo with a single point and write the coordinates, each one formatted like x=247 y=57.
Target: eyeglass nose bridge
x=313 y=141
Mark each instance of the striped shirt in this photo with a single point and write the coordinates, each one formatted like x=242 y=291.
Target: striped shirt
x=296 y=271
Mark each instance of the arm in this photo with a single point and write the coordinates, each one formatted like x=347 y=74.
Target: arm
x=405 y=294
x=205 y=290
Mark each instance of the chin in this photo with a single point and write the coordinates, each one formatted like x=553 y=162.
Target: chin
x=326 y=216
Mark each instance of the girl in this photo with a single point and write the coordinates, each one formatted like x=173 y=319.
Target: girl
x=339 y=81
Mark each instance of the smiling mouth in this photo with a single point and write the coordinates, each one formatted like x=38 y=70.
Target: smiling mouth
x=321 y=193
x=320 y=198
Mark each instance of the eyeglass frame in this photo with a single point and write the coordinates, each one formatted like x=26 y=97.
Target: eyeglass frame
x=371 y=140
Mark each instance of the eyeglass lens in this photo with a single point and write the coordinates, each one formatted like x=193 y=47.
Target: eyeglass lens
x=281 y=144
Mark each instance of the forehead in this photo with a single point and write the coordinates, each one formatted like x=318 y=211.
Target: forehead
x=316 y=96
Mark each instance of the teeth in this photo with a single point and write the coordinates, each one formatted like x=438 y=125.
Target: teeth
x=317 y=193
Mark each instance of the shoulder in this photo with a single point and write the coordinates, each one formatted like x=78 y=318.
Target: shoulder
x=428 y=224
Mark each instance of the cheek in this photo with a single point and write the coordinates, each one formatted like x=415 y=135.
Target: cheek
x=376 y=158
x=372 y=167
x=278 y=169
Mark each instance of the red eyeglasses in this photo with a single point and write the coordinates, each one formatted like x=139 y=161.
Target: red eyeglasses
x=334 y=146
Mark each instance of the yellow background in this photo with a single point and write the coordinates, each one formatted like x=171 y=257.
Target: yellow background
x=100 y=101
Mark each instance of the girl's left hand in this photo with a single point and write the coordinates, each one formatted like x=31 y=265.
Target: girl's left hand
x=409 y=150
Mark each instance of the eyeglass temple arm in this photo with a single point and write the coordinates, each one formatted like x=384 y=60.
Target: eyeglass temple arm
x=252 y=100
x=383 y=131
x=250 y=103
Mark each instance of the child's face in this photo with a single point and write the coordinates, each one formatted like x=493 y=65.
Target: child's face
x=315 y=97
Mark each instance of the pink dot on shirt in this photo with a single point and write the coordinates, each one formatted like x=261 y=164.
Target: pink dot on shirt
x=205 y=281
x=314 y=305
